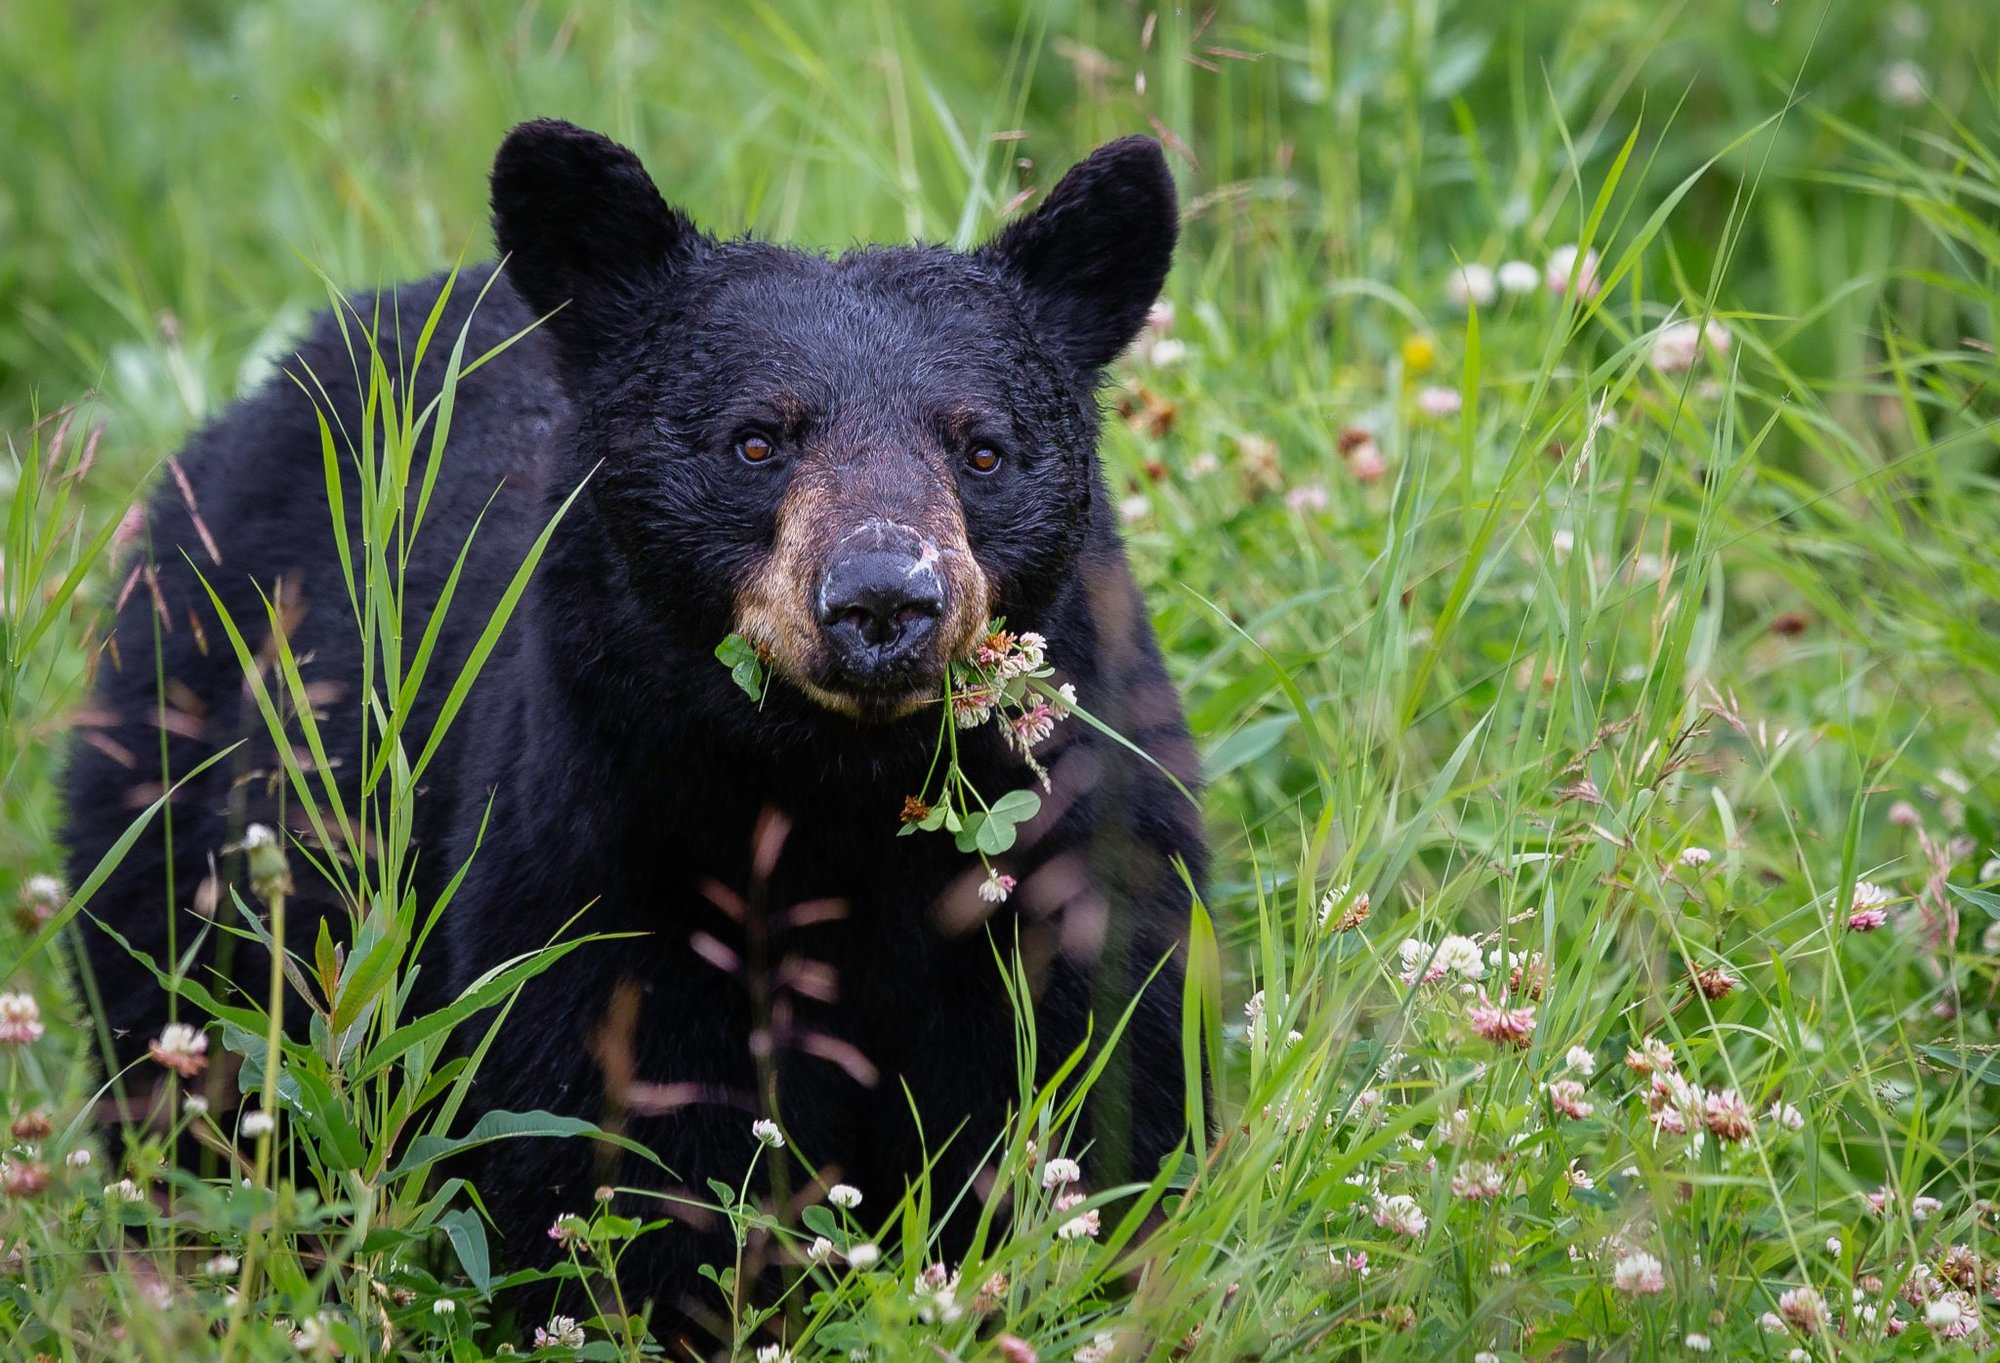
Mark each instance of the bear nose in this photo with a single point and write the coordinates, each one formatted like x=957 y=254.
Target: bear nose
x=879 y=607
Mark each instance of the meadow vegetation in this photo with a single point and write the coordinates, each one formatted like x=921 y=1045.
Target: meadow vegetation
x=1564 y=482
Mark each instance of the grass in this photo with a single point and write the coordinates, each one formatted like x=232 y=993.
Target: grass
x=1587 y=617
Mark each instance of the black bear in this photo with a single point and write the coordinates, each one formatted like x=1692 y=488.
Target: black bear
x=855 y=463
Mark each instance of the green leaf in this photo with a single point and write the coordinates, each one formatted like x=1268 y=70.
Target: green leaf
x=1985 y=900
x=480 y=995
x=968 y=832
x=325 y=1118
x=1979 y=1065
x=368 y=973
x=503 y=1126
x=746 y=668
x=994 y=835
x=468 y=1240
x=1017 y=806
x=1201 y=1009
x=326 y=961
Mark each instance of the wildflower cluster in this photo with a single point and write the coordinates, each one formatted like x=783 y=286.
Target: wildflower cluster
x=1503 y=986
x=1005 y=682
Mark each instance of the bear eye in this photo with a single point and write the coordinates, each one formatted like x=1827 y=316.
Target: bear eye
x=755 y=449
x=984 y=459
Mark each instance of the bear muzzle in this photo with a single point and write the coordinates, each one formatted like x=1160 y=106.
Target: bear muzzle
x=879 y=604
x=863 y=607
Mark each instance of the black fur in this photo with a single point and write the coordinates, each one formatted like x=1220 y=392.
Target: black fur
x=622 y=769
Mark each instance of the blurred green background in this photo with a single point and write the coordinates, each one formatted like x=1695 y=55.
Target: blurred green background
x=160 y=164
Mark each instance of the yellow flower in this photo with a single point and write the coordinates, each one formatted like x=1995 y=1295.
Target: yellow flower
x=1419 y=353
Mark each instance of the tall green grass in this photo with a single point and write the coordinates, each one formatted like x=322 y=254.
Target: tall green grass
x=1598 y=616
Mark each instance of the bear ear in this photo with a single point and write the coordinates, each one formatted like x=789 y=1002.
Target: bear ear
x=1092 y=258
x=583 y=230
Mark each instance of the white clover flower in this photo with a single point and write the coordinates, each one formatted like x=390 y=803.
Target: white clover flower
x=766 y=1131
x=180 y=1048
x=1307 y=498
x=1166 y=352
x=1471 y=284
x=1253 y=1008
x=1136 y=507
x=1726 y=1115
x=1363 y=454
x=1694 y=857
x=1902 y=84
x=124 y=1190
x=41 y=896
x=1478 y=1180
x=1461 y=956
x=1518 y=277
x=1869 y=908
x=562 y=1332
x=1060 y=1173
x=844 y=1195
x=1566 y=1096
x=820 y=1250
x=1401 y=1214
x=1352 y=909
x=20 y=1019
x=1951 y=1315
x=1032 y=650
x=1638 y=1274
x=1563 y=262
x=311 y=1335
x=78 y=1159
x=1580 y=1059
x=1804 y=1309
x=221 y=1266
x=1031 y=727
x=1677 y=345
x=1697 y=1343
x=257 y=1122
x=1102 y=1345
x=444 y=1306
x=864 y=1255
x=1083 y=1226
x=1439 y=402
x=996 y=887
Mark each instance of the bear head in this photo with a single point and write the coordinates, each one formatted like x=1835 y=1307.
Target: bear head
x=854 y=462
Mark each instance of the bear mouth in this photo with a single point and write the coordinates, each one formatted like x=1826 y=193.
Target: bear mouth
x=871 y=701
